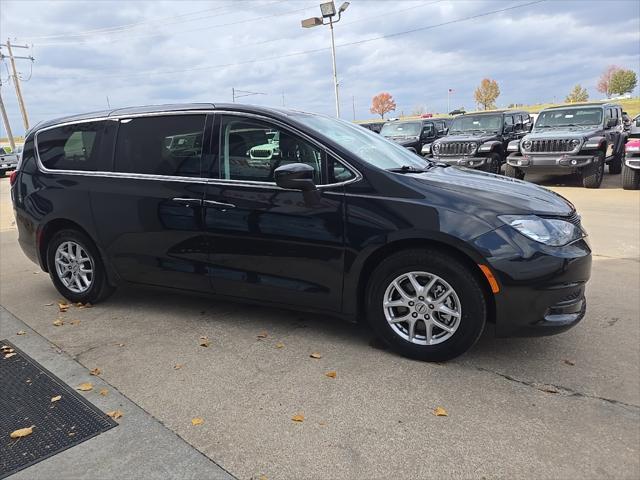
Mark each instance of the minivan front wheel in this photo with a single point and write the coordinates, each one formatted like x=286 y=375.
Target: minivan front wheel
x=426 y=305
x=76 y=268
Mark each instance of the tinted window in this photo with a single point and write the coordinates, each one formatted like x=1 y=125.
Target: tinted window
x=339 y=172
x=165 y=145
x=508 y=120
x=71 y=147
x=252 y=150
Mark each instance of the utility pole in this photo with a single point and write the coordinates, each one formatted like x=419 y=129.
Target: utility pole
x=16 y=81
x=5 y=120
x=335 y=73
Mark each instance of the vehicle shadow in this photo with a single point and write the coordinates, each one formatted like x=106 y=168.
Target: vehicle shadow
x=574 y=180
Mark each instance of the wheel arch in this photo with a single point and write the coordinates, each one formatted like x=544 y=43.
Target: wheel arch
x=469 y=259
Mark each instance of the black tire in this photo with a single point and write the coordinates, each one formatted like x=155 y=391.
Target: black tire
x=456 y=274
x=2 y=173
x=615 y=166
x=513 y=172
x=493 y=164
x=99 y=288
x=630 y=178
x=593 y=173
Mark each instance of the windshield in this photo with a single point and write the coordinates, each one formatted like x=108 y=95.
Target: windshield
x=401 y=129
x=570 y=117
x=471 y=123
x=370 y=147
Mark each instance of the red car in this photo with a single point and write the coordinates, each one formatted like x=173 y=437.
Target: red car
x=631 y=166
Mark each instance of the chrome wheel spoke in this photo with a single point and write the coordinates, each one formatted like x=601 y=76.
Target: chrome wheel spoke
x=396 y=303
x=428 y=326
x=417 y=288
x=402 y=293
x=447 y=311
x=74 y=266
x=437 y=323
x=412 y=330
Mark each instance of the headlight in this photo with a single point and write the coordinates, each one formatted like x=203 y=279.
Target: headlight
x=473 y=147
x=436 y=148
x=526 y=145
x=550 y=231
x=574 y=143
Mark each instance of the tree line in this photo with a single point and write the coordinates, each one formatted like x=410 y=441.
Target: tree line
x=613 y=81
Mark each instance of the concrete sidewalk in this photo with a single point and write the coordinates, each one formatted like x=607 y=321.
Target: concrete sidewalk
x=139 y=447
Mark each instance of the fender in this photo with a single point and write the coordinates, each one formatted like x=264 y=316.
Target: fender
x=490 y=146
x=594 y=143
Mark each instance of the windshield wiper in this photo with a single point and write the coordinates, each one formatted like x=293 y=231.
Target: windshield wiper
x=410 y=169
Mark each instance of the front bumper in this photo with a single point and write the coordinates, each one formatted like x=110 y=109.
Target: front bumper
x=469 y=162
x=559 y=161
x=632 y=162
x=542 y=288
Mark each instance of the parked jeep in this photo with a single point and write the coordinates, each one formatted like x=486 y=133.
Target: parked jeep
x=572 y=139
x=631 y=166
x=479 y=140
x=9 y=161
x=415 y=134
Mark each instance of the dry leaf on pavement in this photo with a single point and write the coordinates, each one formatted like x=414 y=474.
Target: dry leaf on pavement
x=280 y=345
x=85 y=387
x=263 y=335
x=63 y=307
x=440 y=412
x=56 y=398
x=569 y=362
x=9 y=355
x=316 y=355
x=22 y=432
x=298 y=417
x=178 y=366
x=331 y=374
x=204 y=341
x=96 y=371
x=197 y=421
x=103 y=392
x=21 y=332
x=58 y=322
x=115 y=414
x=549 y=389
x=75 y=322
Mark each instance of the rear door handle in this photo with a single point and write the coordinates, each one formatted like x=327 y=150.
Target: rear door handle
x=218 y=205
x=188 y=202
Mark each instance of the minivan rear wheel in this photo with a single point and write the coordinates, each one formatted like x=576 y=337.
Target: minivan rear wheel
x=76 y=269
x=426 y=304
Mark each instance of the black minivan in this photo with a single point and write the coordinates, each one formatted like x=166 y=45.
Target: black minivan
x=287 y=208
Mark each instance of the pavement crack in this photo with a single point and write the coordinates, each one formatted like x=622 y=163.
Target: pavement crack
x=559 y=390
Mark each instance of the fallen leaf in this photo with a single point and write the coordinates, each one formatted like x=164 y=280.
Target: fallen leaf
x=71 y=434
x=75 y=322
x=87 y=305
x=440 y=412
x=5 y=347
x=197 y=421
x=79 y=304
x=103 y=392
x=263 y=335
x=570 y=362
x=9 y=355
x=331 y=374
x=85 y=387
x=96 y=371
x=21 y=332
x=115 y=414
x=280 y=345
x=204 y=341
x=58 y=322
x=316 y=355
x=56 y=398
x=178 y=366
x=63 y=307
x=22 y=432
x=298 y=417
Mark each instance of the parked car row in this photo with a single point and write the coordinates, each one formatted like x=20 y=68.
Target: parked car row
x=9 y=161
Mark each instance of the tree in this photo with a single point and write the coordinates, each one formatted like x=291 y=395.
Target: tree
x=578 y=94
x=623 y=81
x=382 y=103
x=604 y=84
x=487 y=93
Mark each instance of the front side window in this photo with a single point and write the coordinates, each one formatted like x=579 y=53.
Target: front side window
x=168 y=145
x=508 y=121
x=251 y=150
x=71 y=147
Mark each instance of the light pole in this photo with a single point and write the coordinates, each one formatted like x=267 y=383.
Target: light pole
x=328 y=10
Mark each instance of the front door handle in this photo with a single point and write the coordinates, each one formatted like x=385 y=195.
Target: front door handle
x=218 y=205
x=188 y=202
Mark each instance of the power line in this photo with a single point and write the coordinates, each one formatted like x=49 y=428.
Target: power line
x=316 y=50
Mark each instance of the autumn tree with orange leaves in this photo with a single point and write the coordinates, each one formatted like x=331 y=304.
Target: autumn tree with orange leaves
x=382 y=103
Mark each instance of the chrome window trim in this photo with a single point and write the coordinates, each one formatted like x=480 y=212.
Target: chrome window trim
x=198 y=180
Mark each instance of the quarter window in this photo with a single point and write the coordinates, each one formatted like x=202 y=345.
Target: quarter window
x=168 y=145
x=71 y=147
x=251 y=150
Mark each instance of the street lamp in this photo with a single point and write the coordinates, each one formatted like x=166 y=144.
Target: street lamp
x=328 y=10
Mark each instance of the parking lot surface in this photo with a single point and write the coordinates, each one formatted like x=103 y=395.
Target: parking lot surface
x=566 y=406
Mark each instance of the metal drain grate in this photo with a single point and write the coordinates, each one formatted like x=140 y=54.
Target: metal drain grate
x=26 y=389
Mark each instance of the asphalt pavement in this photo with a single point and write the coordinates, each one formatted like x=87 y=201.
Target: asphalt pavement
x=566 y=406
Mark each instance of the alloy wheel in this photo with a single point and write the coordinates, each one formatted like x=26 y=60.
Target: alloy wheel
x=422 y=308
x=74 y=266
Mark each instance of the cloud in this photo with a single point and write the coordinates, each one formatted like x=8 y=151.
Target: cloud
x=157 y=52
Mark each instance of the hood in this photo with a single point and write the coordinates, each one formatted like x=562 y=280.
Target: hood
x=500 y=195
x=562 y=133
x=470 y=137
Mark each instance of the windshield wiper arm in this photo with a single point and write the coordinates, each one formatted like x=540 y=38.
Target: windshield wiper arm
x=410 y=169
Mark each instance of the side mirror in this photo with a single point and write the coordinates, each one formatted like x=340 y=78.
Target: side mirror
x=612 y=122
x=295 y=176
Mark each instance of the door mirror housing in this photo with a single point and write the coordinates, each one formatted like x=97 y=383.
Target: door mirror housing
x=295 y=176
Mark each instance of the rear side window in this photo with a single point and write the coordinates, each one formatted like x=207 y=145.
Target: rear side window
x=71 y=147
x=168 y=145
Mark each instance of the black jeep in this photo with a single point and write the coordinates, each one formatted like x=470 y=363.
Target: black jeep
x=415 y=134
x=479 y=140
x=572 y=139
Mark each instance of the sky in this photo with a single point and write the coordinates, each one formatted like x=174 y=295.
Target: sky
x=91 y=55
